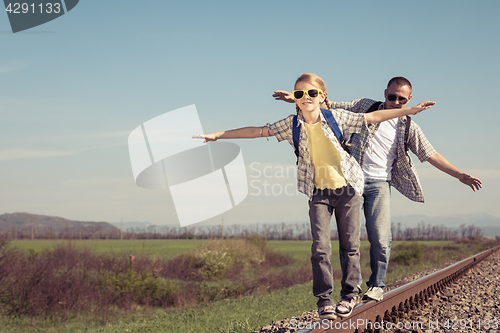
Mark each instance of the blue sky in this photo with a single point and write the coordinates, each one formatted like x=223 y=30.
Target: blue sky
x=73 y=89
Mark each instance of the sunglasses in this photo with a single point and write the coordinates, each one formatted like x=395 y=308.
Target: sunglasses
x=313 y=93
x=392 y=98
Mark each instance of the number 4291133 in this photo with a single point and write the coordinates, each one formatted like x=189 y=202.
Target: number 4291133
x=24 y=8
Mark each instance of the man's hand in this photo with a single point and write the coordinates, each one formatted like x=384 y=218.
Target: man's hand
x=281 y=95
x=473 y=182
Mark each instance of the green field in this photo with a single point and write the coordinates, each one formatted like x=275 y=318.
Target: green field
x=166 y=249
x=243 y=314
x=171 y=247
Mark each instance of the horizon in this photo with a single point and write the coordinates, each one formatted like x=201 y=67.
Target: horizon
x=362 y=219
x=73 y=89
x=295 y=230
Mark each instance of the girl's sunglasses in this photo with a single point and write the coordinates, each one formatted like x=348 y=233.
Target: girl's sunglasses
x=313 y=93
x=392 y=98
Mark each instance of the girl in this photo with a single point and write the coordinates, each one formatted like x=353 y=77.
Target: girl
x=332 y=180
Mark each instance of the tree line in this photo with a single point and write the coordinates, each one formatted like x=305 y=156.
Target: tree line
x=281 y=231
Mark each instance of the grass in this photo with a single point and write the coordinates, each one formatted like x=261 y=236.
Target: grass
x=242 y=314
x=39 y=285
x=166 y=249
x=234 y=315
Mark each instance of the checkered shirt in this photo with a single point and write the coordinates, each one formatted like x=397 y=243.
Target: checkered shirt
x=404 y=176
x=349 y=123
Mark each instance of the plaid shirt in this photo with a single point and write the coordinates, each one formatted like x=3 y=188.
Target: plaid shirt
x=349 y=123
x=404 y=176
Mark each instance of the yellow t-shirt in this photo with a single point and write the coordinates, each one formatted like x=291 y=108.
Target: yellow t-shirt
x=325 y=159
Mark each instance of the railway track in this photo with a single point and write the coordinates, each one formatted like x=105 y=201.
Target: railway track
x=390 y=313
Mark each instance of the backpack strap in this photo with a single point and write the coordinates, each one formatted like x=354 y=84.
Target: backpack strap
x=330 y=119
x=296 y=134
x=373 y=107
x=407 y=131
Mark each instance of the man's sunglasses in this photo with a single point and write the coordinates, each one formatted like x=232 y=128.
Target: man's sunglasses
x=392 y=98
x=313 y=93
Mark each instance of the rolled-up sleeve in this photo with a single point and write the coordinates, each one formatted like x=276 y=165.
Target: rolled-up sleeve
x=282 y=129
x=418 y=143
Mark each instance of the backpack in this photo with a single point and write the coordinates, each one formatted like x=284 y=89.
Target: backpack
x=374 y=107
x=331 y=122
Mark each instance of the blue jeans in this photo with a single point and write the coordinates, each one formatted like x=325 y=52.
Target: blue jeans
x=377 y=209
x=376 y=204
x=346 y=204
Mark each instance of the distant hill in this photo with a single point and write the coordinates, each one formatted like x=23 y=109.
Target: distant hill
x=57 y=224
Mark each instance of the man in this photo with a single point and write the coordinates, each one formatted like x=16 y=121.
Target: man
x=381 y=151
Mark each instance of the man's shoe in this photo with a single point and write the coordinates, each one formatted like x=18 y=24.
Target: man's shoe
x=327 y=312
x=345 y=306
x=375 y=293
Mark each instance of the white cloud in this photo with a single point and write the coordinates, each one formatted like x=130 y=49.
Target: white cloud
x=107 y=146
x=116 y=134
x=18 y=154
x=10 y=68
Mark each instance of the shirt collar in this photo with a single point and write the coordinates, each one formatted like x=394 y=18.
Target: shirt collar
x=301 y=120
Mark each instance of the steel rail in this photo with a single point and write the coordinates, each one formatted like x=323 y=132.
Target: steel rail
x=372 y=316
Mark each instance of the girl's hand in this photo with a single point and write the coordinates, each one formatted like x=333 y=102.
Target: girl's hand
x=281 y=95
x=207 y=137
x=421 y=107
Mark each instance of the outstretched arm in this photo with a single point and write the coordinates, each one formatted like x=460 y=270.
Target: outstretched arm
x=239 y=133
x=381 y=115
x=442 y=164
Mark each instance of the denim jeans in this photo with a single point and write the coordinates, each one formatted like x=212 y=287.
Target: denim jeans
x=345 y=203
x=376 y=205
x=377 y=209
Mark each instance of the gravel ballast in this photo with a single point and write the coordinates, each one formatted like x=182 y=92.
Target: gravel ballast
x=472 y=304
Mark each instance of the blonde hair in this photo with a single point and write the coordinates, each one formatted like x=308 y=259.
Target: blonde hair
x=316 y=81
